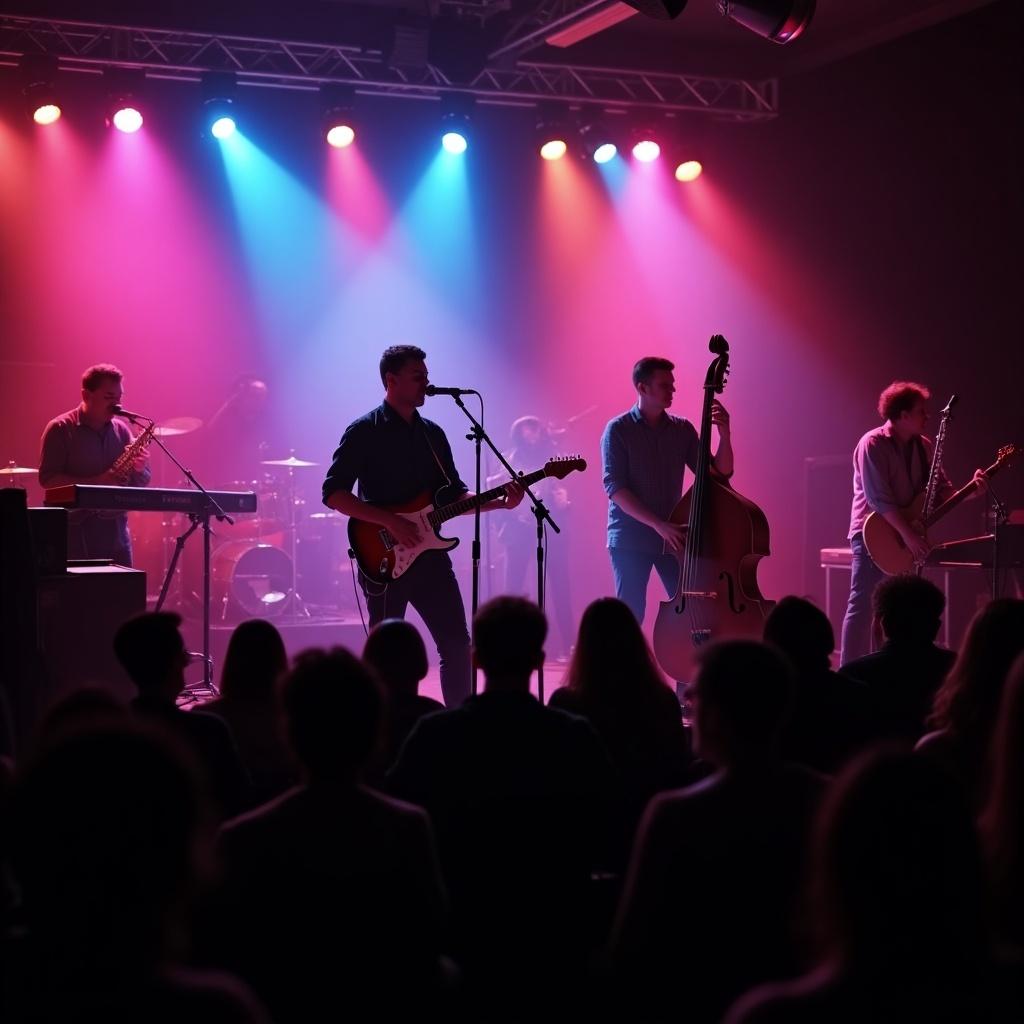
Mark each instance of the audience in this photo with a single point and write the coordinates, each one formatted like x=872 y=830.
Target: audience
x=518 y=793
x=967 y=705
x=332 y=901
x=152 y=652
x=614 y=682
x=829 y=720
x=903 y=677
x=900 y=902
x=710 y=901
x=395 y=650
x=1002 y=821
x=110 y=840
x=249 y=704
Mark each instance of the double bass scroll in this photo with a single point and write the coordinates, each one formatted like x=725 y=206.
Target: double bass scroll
x=717 y=594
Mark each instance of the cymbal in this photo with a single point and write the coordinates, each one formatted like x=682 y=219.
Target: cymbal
x=178 y=425
x=13 y=470
x=291 y=462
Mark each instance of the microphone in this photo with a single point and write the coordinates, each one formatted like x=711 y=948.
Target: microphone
x=432 y=390
x=949 y=405
x=134 y=417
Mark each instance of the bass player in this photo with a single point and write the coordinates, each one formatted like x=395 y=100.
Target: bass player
x=395 y=454
x=891 y=464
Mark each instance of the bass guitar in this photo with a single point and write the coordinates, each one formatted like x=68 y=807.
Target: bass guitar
x=883 y=540
x=381 y=558
x=717 y=594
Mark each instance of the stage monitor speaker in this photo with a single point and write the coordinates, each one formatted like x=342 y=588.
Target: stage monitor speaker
x=49 y=528
x=79 y=613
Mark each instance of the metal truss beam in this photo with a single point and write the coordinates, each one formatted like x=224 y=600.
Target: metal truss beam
x=162 y=53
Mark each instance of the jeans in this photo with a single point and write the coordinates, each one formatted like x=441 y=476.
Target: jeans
x=632 y=571
x=431 y=588
x=864 y=577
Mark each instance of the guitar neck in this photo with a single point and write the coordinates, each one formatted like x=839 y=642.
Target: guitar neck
x=458 y=508
x=958 y=496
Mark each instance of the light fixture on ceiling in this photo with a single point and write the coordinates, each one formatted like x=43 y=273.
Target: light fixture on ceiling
x=781 y=21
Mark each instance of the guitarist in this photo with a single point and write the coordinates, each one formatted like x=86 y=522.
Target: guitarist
x=890 y=469
x=395 y=454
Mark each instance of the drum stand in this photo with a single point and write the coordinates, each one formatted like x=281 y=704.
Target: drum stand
x=297 y=609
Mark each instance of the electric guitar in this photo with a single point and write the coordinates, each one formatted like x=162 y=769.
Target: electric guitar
x=883 y=540
x=381 y=558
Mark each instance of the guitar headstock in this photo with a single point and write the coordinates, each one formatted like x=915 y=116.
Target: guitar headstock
x=719 y=368
x=563 y=465
x=1007 y=454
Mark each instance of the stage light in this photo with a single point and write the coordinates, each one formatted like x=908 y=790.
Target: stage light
x=456 y=122
x=124 y=86
x=37 y=72
x=337 y=119
x=689 y=170
x=553 y=149
x=454 y=142
x=223 y=127
x=599 y=142
x=781 y=21
x=646 y=150
x=341 y=135
x=46 y=113
x=218 y=89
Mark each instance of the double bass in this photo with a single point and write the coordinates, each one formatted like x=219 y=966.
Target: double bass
x=717 y=594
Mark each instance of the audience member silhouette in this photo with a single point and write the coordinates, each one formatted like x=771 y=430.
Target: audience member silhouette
x=710 y=900
x=110 y=841
x=829 y=720
x=519 y=794
x=396 y=652
x=615 y=683
x=903 y=677
x=967 y=705
x=1002 y=821
x=900 y=901
x=152 y=652
x=332 y=903
x=250 y=705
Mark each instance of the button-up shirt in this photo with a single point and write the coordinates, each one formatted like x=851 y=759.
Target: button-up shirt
x=649 y=462
x=394 y=460
x=888 y=475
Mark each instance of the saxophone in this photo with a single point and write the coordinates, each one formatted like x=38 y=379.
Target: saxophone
x=934 y=472
x=121 y=468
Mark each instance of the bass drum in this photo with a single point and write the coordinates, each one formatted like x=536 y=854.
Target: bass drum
x=249 y=581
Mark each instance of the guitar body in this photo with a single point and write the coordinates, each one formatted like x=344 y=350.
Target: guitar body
x=731 y=605
x=885 y=545
x=379 y=557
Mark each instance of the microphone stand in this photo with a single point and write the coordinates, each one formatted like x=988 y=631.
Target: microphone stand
x=479 y=436
x=201 y=518
x=1000 y=516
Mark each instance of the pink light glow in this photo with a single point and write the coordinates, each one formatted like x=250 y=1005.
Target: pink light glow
x=127 y=120
x=48 y=113
x=355 y=195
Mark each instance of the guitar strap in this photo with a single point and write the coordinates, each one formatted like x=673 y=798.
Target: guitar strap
x=440 y=464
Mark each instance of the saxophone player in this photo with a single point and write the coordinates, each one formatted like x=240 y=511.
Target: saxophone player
x=80 y=447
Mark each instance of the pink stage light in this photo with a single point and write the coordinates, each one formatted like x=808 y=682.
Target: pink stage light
x=646 y=150
x=689 y=170
x=340 y=136
x=553 y=149
x=46 y=114
x=127 y=120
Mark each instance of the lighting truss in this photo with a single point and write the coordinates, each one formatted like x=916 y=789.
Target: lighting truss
x=165 y=53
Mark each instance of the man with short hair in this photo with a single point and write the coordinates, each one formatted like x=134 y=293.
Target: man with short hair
x=902 y=678
x=151 y=650
x=891 y=464
x=645 y=453
x=519 y=794
x=79 y=447
x=396 y=455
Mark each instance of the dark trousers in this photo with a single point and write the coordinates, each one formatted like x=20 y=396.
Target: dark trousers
x=632 y=571
x=431 y=588
x=864 y=577
x=97 y=537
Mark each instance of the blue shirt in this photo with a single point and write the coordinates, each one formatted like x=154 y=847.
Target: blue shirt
x=394 y=460
x=650 y=462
